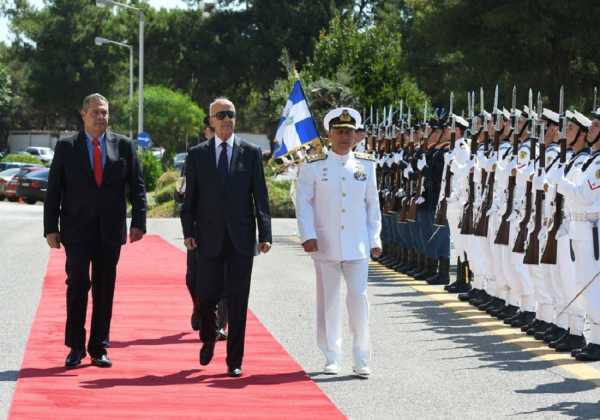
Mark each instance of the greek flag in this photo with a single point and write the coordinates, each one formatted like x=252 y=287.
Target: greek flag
x=296 y=125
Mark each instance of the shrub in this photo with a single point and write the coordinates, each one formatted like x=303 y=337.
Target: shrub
x=165 y=194
x=164 y=210
x=25 y=158
x=169 y=177
x=280 y=201
x=152 y=169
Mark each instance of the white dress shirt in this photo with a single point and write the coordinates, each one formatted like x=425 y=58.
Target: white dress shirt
x=229 y=142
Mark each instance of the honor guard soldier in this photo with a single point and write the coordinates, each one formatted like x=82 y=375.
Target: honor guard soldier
x=339 y=222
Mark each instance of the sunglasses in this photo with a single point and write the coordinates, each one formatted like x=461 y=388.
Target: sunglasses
x=222 y=114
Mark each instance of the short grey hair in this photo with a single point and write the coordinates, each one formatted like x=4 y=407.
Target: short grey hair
x=220 y=99
x=94 y=97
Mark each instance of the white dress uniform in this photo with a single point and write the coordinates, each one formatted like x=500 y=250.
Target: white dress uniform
x=338 y=205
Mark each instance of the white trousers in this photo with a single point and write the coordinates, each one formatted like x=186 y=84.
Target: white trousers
x=329 y=316
x=586 y=269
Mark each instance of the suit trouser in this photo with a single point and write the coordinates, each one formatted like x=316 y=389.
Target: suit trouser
x=103 y=258
x=225 y=276
x=329 y=317
x=190 y=282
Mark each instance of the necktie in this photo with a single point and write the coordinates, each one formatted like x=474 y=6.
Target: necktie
x=97 y=161
x=223 y=162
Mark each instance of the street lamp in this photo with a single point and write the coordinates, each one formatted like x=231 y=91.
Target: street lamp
x=102 y=41
x=141 y=57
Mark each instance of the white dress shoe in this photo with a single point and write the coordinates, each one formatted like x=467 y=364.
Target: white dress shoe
x=362 y=371
x=331 y=368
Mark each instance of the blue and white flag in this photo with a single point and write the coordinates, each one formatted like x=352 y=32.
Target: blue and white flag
x=296 y=125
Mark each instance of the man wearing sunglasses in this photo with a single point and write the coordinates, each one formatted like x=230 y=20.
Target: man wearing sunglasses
x=225 y=201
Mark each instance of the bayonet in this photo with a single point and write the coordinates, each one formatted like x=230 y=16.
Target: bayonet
x=595 y=97
x=451 y=111
x=496 y=110
x=530 y=101
x=513 y=111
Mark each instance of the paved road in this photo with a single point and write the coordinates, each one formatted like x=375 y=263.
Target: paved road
x=428 y=361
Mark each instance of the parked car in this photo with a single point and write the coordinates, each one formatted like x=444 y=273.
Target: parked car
x=179 y=160
x=10 y=190
x=5 y=177
x=9 y=165
x=158 y=152
x=32 y=186
x=45 y=154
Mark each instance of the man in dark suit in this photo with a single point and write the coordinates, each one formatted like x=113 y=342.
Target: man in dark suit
x=225 y=200
x=92 y=176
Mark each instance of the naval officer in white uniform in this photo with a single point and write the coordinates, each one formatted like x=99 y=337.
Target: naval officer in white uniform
x=339 y=221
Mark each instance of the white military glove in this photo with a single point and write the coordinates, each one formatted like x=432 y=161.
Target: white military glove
x=555 y=173
x=421 y=163
x=420 y=200
x=408 y=171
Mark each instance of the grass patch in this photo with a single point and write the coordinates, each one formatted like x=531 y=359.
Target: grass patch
x=163 y=210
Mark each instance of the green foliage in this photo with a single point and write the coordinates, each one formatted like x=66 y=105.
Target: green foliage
x=25 y=158
x=170 y=117
x=166 y=209
x=152 y=169
x=165 y=194
x=6 y=102
x=280 y=202
x=169 y=177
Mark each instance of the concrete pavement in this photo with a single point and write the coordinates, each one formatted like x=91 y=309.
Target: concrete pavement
x=429 y=361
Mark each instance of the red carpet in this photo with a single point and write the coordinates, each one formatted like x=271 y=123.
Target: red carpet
x=156 y=374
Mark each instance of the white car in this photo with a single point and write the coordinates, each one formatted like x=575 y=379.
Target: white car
x=45 y=154
x=179 y=160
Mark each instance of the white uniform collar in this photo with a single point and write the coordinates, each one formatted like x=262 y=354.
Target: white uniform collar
x=341 y=158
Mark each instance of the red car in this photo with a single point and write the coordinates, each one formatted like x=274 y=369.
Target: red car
x=5 y=177
x=10 y=189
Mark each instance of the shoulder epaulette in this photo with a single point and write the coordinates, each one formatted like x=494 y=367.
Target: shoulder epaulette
x=365 y=156
x=317 y=157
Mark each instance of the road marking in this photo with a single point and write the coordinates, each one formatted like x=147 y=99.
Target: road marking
x=580 y=370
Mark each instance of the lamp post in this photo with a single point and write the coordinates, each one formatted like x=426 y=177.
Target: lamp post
x=102 y=41
x=141 y=57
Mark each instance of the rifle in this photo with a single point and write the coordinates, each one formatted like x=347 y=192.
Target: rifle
x=503 y=235
x=532 y=254
x=551 y=247
x=522 y=235
x=466 y=226
x=483 y=222
x=441 y=214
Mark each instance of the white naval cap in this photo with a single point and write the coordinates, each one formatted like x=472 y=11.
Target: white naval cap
x=529 y=113
x=596 y=114
x=343 y=117
x=581 y=120
x=460 y=121
x=551 y=116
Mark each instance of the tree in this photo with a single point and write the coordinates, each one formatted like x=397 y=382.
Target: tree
x=171 y=118
x=6 y=105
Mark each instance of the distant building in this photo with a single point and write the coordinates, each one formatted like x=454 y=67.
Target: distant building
x=19 y=140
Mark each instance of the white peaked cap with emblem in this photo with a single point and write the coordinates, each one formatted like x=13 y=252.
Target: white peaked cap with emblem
x=460 y=121
x=343 y=117
x=551 y=116
x=582 y=120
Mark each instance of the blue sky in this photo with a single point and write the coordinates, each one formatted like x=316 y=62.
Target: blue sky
x=5 y=35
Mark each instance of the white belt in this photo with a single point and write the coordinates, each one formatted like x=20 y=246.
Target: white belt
x=585 y=217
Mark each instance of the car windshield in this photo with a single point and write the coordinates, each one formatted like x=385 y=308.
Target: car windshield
x=180 y=156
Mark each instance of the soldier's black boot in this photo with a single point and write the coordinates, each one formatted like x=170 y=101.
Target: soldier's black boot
x=429 y=270
x=538 y=328
x=461 y=285
x=590 y=353
x=412 y=261
x=534 y=322
x=524 y=318
x=470 y=295
x=569 y=343
x=507 y=312
x=539 y=335
x=495 y=306
x=420 y=264
x=388 y=254
x=443 y=274
x=401 y=259
x=554 y=333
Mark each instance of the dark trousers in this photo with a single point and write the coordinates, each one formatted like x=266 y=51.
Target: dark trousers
x=190 y=282
x=103 y=259
x=225 y=276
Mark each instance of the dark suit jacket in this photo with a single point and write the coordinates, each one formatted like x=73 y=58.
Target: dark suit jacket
x=238 y=205
x=85 y=211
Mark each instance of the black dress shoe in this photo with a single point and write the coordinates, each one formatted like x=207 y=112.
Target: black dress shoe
x=74 y=357
x=554 y=333
x=569 y=343
x=458 y=287
x=541 y=333
x=234 y=372
x=538 y=326
x=206 y=352
x=531 y=324
x=590 y=353
x=506 y=312
x=467 y=296
x=102 y=361
x=523 y=319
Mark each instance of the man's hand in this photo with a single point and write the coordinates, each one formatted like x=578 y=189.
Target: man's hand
x=53 y=240
x=264 y=247
x=190 y=244
x=135 y=234
x=376 y=252
x=310 y=245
